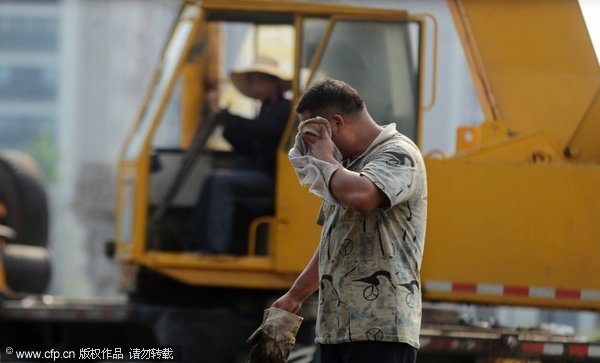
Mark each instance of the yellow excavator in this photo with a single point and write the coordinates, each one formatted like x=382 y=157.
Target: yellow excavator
x=512 y=217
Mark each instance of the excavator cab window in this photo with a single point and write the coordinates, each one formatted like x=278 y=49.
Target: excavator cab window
x=378 y=58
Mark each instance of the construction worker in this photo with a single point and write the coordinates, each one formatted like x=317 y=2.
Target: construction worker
x=366 y=267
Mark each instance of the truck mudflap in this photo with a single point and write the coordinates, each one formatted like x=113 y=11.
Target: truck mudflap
x=506 y=343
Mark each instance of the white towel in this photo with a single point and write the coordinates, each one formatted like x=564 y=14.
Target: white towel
x=309 y=169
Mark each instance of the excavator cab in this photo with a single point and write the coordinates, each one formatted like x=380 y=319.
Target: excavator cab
x=175 y=144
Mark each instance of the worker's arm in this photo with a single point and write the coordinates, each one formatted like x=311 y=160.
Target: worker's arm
x=350 y=188
x=355 y=191
x=306 y=284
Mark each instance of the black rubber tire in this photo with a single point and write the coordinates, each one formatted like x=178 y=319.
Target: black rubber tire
x=27 y=268
x=24 y=197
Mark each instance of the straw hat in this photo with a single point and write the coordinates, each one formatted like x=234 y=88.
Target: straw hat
x=263 y=65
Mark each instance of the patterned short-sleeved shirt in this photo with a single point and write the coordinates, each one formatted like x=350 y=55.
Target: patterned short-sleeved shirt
x=369 y=262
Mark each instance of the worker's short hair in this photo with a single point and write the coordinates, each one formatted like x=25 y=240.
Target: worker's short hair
x=328 y=97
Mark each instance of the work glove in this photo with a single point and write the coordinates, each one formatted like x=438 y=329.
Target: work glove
x=273 y=341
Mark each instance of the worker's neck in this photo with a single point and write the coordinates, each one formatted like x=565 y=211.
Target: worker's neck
x=367 y=131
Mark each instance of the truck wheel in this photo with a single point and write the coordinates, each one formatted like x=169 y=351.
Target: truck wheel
x=27 y=268
x=23 y=201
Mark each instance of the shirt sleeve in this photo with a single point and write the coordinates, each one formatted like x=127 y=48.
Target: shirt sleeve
x=237 y=132
x=394 y=171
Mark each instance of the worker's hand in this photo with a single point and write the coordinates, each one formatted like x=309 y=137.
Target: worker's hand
x=322 y=147
x=273 y=341
x=288 y=303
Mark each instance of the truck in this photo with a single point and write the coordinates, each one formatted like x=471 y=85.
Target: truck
x=512 y=212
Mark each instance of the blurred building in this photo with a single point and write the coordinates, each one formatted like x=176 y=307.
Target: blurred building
x=110 y=51
x=29 y=63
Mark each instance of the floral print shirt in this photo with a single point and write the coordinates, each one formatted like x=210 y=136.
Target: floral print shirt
x=369 y=262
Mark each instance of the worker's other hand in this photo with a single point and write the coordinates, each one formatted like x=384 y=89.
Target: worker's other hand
x=288 y=303
x=322 y=147
x=273 y=341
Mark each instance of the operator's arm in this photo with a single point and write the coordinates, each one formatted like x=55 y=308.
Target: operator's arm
x=246 y=134
x=236 y=131
x=348 y=187
x=306 y=284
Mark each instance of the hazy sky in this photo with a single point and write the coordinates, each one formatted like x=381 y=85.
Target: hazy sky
x=591 y=12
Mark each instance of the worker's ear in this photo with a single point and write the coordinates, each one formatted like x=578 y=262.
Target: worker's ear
x=337 y=121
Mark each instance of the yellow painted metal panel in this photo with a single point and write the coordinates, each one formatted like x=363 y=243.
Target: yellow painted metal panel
x=140 y=216
x=298 y=235
x=468 y=137
x=234 y=279
x=529 y=148
x=190 y=99
x=301 y=8
x=513 y=224
x=555 y=104
x=136 y=172
x=584 y=145
x=198 y=75
x=209 y=261
x=534 y=61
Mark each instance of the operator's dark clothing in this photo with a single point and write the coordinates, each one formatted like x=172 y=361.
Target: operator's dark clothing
x=210 y=227
x=258 y=139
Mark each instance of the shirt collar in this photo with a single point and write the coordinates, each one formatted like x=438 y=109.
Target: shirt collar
x=385 y=134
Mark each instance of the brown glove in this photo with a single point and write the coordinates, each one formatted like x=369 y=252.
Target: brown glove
x=273 y=341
